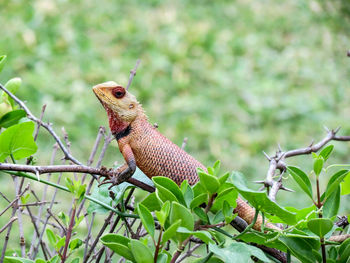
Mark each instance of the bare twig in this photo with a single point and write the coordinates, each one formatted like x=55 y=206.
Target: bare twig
x=8 y=223
x=133 y=73
x=40 y=121
x=189 y=252
x=70 y=168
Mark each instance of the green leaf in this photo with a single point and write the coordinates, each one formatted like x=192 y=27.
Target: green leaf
x=187 y=192
x=198 y=200
x=201 y=214
x=40 y=260
x=238 y=251
x=216 y=168
x=17 y=140
x=223 y=178
x=227 y=211
x=11 y=118
x=12 y=86
x=165 y=195
x=75 y=243
x=335 y=181
x=300 y=248
x=2 y=62
x=261 y=202
x=162 y=258
x=345 y=185
x=163 y=214
x=60 y=243
x=326 y=152
x=75 y=260
x=171 y=231
x=63 y=217
x=70 y=185
x=202 y=235
x=177 y=212
x=146 y=218
x=302 y=179
x=344 y=251
x=51 y=237
x=229 y=195
x=166 y=183
x=320 y=226
x=141 y=253
x=264 y=239
x=318 y=165
x=209 y=182
x=166 y=208
x=218 y=218
x=101 y=193
x=54 y=259
x=119 y=244
x=331 y=205
x=25 y=198
x=17 y=260
x=152 y=202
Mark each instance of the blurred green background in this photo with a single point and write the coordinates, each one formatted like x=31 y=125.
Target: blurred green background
x=235 y=77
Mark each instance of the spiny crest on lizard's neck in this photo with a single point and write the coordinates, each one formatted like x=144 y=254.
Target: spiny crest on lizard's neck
x=121 y=106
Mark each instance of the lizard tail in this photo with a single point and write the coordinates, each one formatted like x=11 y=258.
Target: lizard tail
x=247 y=213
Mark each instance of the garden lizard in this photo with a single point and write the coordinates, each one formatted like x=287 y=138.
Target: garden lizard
x=142 y=145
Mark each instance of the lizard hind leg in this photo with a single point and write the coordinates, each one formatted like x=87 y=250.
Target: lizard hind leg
x=124 y=172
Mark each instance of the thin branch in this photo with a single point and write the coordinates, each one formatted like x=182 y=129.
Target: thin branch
x=133 y=73
x=13 y=219
x=70 y=168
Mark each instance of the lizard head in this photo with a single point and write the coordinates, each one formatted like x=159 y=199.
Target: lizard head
x=122 y=107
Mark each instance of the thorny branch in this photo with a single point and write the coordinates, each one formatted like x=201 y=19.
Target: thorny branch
x=277 y=162
x=69 y=168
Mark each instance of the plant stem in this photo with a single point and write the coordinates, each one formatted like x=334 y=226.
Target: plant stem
x=69 y=231
x=158 y=245
x=323 y=249
x=319 y=204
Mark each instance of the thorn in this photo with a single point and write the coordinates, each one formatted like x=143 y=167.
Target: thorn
x=267 y=157
x=312 y=143
x=262 y=188
x=37 y=175
x=184 y=143
x=259 y=182
x=326 y=128
x=336 y=130
x=286 y=189
x=279 y=147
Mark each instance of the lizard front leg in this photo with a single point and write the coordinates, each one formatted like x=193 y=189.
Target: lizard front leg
x=124 y=172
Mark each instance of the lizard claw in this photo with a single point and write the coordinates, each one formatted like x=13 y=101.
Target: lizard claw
x=110 y=179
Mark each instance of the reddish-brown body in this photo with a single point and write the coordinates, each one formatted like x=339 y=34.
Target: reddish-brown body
x=142 y=145
x=156 y=155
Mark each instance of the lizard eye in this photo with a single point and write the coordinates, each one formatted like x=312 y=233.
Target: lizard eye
x=118 y=92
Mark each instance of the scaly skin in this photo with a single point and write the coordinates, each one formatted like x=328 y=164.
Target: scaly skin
x=142 y=145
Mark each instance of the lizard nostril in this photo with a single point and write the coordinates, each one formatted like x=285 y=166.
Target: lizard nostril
x=131 y=106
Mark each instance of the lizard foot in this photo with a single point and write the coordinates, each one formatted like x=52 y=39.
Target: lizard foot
x=110 y=178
